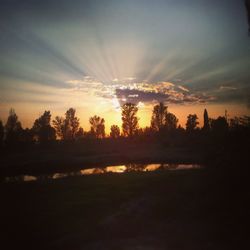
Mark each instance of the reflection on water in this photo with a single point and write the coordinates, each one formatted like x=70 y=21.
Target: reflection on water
x=21 y=178
x=103 y=170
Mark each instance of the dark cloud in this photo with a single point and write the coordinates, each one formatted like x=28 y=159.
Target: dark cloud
x=174 y=96
x=136 y=96
x=232 y=95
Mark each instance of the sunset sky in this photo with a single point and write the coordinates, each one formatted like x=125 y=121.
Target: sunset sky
x=95 y=55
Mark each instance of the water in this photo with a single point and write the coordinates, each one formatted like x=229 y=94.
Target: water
x=104 y=170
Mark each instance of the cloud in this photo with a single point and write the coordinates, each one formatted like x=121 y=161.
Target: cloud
x=228 y=94
x=227 y=88
x=183 y=88
x=143 y=92
x=159 y=92
x=136 y=96
x=152 y=92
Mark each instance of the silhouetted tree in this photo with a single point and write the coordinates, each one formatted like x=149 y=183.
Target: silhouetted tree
x=171 y=121
x=114 y=131
x=148 y=131
x=139 y=132
x=180 y=129
x=158 y=116
x=13 y=128
x=1 y=132
x=27 y=135
x=219 y=125
x=88 y=135
x=245 y=121
x=129 y=119
x=80 y=133
x=42 y=128
x=192 y=122
x=66 y=128
x=234 y=123
x=71 y=123
x=144 y=134
x=59 y=126
x=97 y=126
x=206 y=126
x=239 y=123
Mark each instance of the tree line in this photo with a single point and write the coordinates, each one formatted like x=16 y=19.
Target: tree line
x=68 y=128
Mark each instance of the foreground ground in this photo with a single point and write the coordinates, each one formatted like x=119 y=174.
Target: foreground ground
x=192 y=209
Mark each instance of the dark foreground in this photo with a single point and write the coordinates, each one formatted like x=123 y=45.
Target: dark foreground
x=61 y=157
x=189 y=209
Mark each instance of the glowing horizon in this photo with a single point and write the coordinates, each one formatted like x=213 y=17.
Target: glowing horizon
x=113 y=116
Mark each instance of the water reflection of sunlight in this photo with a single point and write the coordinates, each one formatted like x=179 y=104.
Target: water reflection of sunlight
x=29 y=178
x=184 y=166
x=132 y=167
x=92 y=171
x=152 y=167
x=59 y=175
x=116 y=169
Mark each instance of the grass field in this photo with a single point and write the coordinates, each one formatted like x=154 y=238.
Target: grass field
x=189 y=209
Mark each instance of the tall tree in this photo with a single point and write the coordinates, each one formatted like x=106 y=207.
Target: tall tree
x=206 y=125
x=171 y=121
x=59 y=125
x=245 y=121
x=71 y=123
x=114 y=131
x=80 y=133
x=129 y=119
x=97 y=126
x=27 y=135
x=159 y=116
x=1 y=132
x=192 y=122
x=219 y=126
x=67 y=128
x=13 y=128
x=42 y=128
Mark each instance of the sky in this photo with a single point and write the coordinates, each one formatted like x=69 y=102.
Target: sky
x=95 y=55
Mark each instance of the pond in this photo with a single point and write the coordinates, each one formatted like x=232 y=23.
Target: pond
x=104 y=170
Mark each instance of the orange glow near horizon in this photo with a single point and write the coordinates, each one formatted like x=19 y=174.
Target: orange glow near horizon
x=28 y=113
x=90 y=97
